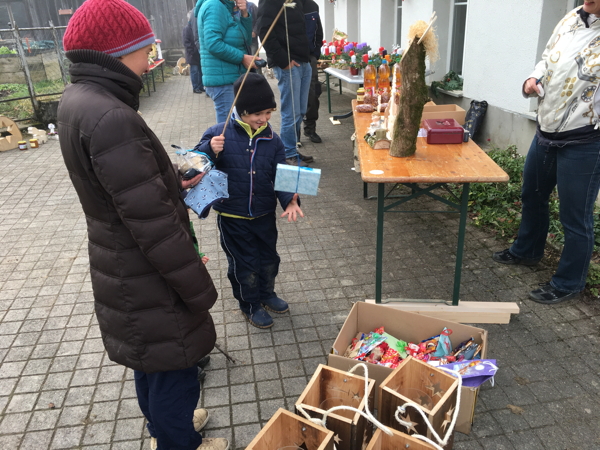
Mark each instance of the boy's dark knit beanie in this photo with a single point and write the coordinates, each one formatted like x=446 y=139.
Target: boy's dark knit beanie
x=113 y=27
x=256 y=94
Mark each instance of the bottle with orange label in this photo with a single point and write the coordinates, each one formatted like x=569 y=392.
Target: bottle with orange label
x=370 y=77
x=398 y=76
x=384 y=77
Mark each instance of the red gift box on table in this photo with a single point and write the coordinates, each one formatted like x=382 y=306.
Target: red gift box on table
x=443 y=131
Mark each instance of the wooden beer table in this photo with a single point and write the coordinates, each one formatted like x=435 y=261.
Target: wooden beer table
x=435 y=166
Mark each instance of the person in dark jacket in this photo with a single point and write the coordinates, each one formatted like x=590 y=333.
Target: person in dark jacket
x=192 y=54
x=152 y=293
x=292 y=69
x=314 y=32
x=249 y=153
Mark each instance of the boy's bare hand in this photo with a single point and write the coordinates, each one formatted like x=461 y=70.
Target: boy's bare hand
x=205 y=259
x=186 y=184
x=217 y=143
x=293 y=210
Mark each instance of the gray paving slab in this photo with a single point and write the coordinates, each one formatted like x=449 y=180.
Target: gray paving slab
x=58 y=390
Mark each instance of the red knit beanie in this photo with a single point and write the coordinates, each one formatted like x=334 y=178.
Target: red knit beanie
x=109 y=26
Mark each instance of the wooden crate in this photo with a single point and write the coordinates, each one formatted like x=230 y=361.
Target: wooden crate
x=428 y=386
x=331 y=387
x=398 y=440
x=288 y=431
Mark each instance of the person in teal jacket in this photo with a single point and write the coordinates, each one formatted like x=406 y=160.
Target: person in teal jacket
x=225 y=38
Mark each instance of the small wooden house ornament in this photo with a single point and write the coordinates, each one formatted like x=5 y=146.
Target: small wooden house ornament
x=9 y=139
x=398 y=440
x=433 y=389
x=331 y=387
x=286 y=430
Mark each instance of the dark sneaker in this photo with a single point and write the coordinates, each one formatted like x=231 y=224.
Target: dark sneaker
x=547 y=295
x=314 y=137
x=260 y=318
x=293 y=161
x=506 y=257
x=198 y=91
x=201 y=375
x=203 y=361
x=305 y=158
x=276 y=305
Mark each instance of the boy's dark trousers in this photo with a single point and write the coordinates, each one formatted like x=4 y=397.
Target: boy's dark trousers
x=168 y=400
x=251 y=249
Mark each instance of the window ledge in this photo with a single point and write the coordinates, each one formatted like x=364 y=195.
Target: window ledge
x=457 y=94
x=529 y=115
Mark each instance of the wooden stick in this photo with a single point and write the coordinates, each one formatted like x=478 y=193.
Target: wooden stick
x=426 y=30
x=431 y=20
x=252 y=63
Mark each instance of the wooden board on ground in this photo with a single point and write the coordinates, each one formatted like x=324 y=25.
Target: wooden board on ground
x=464 y=312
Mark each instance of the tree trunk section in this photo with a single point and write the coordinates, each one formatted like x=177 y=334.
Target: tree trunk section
x=414 y=96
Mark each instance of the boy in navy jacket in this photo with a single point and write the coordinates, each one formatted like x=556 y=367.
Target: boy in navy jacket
x=249 y=153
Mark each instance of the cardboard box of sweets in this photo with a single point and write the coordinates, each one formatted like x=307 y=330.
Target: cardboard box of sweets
x=410 y=327
x=432 y=111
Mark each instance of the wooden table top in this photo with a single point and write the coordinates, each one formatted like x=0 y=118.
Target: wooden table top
x=438 y=163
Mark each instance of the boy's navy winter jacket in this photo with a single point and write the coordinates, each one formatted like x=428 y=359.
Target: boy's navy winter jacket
x=251 y=165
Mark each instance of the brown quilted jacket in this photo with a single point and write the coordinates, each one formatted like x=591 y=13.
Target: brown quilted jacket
x=152 y=293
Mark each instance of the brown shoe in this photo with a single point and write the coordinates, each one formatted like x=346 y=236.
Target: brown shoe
x=214 y=444
x=200 y=419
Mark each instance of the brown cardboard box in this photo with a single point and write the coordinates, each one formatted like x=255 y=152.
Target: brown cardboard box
x=410 y=327
x=443 y=112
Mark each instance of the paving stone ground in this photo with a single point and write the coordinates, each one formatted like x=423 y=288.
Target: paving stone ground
x=58 y=390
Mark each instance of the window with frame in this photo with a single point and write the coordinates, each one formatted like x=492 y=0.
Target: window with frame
x=459 y=25
x=398 y=27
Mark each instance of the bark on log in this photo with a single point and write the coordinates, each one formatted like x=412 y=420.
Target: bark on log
x=414 y=96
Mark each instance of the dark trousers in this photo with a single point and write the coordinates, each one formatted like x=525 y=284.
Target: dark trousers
x=312 y=110
x=196 y=77
x=251 y=249
x=575 y=170
x=168 y=400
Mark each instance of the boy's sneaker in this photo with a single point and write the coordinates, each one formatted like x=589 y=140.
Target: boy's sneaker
x=214 y=444
x=260 y=318
x=506 y=257
x=547 y=295
x=293 y=161
x=203 y=361
x=305 y=158
x=200 y=419
x=276 y=305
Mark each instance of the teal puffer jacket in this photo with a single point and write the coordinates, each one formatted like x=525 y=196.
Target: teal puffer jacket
x=224 y=38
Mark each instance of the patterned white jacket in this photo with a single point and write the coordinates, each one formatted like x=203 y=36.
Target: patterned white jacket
x=570 y=73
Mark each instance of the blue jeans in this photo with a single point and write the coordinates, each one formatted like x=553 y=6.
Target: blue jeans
x=222 y=97
x=196 y=77
x=294 y=86
x=168 y=400
x=575 y=170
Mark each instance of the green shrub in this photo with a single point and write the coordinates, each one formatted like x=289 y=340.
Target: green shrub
x=497 y=207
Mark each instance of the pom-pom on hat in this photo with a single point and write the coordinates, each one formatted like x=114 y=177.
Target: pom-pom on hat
x=256 y=94
x=113 y=27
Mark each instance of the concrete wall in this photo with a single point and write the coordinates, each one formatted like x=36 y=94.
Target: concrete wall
x=42 y=66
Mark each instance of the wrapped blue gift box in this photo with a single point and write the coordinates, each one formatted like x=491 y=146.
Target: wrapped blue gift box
x=302 y=180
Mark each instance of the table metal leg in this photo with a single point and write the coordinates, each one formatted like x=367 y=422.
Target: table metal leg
x=328 y=92
x=461 y=242
x=153 y=83
x=379 y=250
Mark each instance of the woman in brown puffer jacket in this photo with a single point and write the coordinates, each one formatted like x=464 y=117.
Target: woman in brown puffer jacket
x=152 y=292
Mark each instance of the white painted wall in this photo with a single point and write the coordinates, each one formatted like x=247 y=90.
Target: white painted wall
x=500 y=53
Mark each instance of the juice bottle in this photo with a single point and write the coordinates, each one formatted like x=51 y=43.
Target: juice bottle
x=398 y=76
x=370 y=75
x=384 y=77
